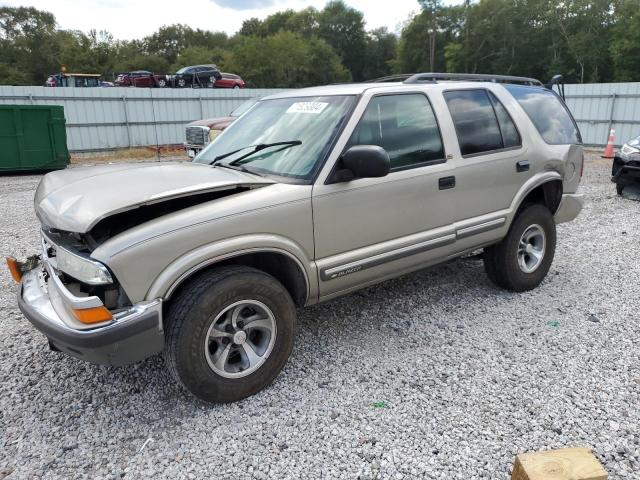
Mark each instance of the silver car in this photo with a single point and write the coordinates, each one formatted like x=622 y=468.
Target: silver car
x=310 y=195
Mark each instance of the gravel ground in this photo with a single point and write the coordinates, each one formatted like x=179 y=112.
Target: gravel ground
x=434 y=375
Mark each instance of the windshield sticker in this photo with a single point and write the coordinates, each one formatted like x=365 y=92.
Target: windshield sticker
x=307 y=107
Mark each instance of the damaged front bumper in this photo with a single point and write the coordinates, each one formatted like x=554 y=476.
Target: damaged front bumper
x=132 y=335
x=626 y=169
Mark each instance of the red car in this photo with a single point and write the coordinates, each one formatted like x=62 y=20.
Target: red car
x=140 y=78
x=229 y=80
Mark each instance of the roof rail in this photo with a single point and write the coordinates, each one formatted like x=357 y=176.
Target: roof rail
x=474 y=77
x=391 y=78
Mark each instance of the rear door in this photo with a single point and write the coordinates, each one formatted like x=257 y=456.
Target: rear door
x=491 y=162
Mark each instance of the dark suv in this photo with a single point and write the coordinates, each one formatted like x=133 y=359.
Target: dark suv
x=197 y=76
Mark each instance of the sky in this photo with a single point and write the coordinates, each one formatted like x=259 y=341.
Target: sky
x=128 y=19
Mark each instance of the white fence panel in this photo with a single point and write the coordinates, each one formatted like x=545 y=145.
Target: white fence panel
x=600 y=107
x=109 y=118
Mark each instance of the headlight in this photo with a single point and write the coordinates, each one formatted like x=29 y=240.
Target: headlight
x=628 y=149
x=213 y=134
x=82 y=268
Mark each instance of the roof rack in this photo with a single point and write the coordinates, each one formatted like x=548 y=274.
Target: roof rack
x=400 y=77
x=475 y=77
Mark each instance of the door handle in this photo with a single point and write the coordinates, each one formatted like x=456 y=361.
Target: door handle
x=446 y=183
x=522 y=166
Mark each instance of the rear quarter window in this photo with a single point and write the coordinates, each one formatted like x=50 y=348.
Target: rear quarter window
x=549 y=115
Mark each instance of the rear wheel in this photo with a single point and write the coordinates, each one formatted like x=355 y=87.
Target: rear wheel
x=162 y=83
x=523 y=258
x=230 y=332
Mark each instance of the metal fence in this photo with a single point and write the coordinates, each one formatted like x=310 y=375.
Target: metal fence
x=600 y=107
x=109 y=118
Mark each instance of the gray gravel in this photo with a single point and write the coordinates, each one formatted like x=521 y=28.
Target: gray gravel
x=434 y=375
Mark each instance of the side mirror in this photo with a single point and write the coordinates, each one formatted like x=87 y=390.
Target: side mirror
x=363 y=161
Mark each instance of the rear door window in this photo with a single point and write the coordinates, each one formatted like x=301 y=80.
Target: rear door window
x=405 y=126
x=475 y=121
x=549 y=115
x=508 y=129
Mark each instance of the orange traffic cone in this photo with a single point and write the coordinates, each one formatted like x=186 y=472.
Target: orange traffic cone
x=608 y=152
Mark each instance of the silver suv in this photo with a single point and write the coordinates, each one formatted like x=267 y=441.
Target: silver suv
x=310 y=195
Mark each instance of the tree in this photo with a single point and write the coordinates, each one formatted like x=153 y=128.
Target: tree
x=380 y=53
x=342 y=27
x=285 y=60
x=625 y=42
x=29 y=43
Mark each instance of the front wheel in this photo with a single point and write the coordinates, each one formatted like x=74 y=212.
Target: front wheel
x=523 y=258
x=230 y=332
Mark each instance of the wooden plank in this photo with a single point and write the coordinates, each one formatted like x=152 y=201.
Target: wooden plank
x=563 y=464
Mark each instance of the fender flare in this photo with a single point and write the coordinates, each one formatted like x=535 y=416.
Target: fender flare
x=191 y=262
x=530 y=185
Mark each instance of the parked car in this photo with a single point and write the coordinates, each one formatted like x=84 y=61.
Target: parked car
x=197 y=76
x=140 y=78
x=310 y=195
x=74 y=80
x=626 y=165
x=229 y=80
x=200 y=133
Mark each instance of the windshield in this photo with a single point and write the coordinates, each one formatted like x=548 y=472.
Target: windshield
x=243 y=107
x=312 y=121
x=183 y=70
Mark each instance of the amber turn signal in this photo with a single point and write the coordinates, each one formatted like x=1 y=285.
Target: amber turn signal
x=93 y=315
x=14 y=268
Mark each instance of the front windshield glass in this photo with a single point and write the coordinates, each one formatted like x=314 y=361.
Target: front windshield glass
x=182 y=70
x=313 y=121
x=243 y=107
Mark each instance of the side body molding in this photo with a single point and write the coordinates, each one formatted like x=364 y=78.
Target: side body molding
x=186 y=265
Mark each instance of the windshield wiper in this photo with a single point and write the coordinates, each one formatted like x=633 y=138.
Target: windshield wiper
x=255 y=148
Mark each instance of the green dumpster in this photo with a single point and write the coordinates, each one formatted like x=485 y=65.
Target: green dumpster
x=32 y=137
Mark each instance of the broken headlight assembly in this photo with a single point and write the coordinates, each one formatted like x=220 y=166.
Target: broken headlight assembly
x=81 y=268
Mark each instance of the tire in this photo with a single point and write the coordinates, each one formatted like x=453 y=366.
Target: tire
x=236 y=86
x=513 y=268
x=162 y=83
x=181 y=82
x=198 y=317
x=619 y=188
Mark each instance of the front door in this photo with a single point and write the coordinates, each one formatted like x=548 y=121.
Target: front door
x=372 y=228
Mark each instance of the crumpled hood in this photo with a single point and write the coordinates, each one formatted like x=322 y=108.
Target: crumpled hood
x=76 y=199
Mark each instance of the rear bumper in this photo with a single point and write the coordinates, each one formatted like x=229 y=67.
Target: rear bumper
x=570 y=206
x=131 y=336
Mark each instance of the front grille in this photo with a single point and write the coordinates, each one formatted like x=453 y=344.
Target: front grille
x=197 y=135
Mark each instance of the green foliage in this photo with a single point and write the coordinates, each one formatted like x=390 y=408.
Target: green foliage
x=342 y=27
x=380 y=53
x=585 y=40
x=624 y=46
x=284 y=59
